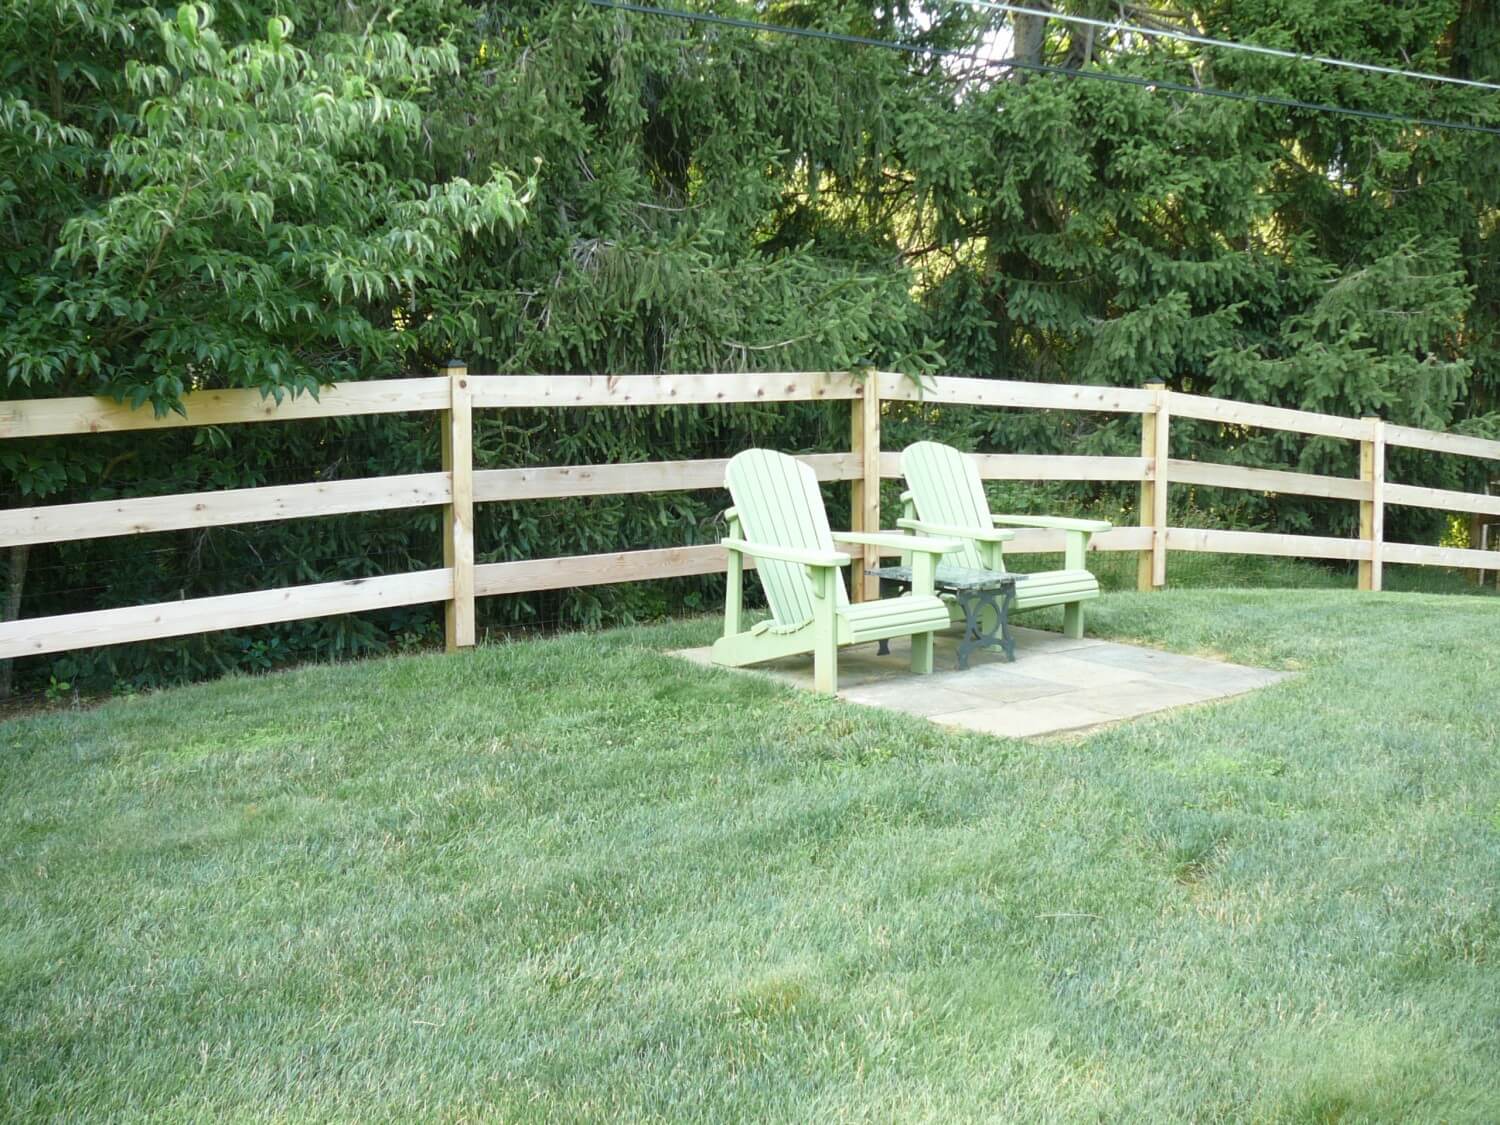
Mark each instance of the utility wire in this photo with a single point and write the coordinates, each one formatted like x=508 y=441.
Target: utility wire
x=929 y=51
x=1227 y=44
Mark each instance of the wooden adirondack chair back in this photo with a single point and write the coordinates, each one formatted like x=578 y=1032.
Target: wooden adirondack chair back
x=946 y=489
x=779 y=504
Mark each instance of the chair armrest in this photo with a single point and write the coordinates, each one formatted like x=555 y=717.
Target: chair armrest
x=978 y=534
x=1060 y=522
x=786 y=554
x=895 y=541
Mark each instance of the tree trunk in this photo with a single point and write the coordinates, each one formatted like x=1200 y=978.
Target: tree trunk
x=1080 y=47
x=18 y=559
x=1030 y=34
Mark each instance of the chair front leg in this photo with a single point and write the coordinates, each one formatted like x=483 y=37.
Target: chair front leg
x=1073 y=621
x=1074 y=558
x=734 y=595
x=923 y=584
x=825 y=629
x=922 y=661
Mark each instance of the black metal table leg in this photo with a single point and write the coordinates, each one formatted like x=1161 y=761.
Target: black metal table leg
x=887 y=588
x=1007 y=639
x=974 y=603
x=976 y=593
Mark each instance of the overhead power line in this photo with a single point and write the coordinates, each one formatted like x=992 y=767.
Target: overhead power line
x=1227 y=44
x=929 y=51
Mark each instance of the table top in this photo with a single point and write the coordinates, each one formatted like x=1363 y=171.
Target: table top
x=952 y=578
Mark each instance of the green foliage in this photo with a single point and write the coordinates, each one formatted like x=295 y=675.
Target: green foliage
x=263 y=221
x=284 y=194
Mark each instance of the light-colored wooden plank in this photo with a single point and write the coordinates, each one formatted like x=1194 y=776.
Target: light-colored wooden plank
x=531 y=575
x=1267 y=480
x=1377 y=501
x=1265 y=543
x=458 y=515
x=864 y=435
x=1161 y=457
x=1418 y=555
x=1040 y=467
x=1437 y=442
x=59 y=523
x=1047 y=541
x=534 y=575
x=34 y=636
x=555 y=481
x=1146 y=504
x=1411 y=496
x=1015 y=393
x=1372 y=510
x=660 y=390
x=1235 y=413
x=46 y=417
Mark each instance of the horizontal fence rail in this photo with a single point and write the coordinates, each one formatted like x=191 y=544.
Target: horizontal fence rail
x=1012 y=393
x=55 y=417
x=1041 y=467
x=226 y=611
x=556 y=482
x=1442 y=499
x=103 y=518
x=1219 y=542
x=1268 y=480
x=459 y=485
x=1434 y=441
x=532 y=575
x=661 y=390
x=1233 y=413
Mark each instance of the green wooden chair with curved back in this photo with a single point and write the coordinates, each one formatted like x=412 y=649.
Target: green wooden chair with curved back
x=778 y=520
x=945 y=496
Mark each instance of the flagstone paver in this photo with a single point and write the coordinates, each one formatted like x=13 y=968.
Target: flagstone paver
x=1055 y=684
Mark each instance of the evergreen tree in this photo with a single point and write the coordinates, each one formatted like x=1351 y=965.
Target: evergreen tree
x=282 y=193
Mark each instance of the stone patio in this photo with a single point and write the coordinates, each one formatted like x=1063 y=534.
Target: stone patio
x=1056 y=684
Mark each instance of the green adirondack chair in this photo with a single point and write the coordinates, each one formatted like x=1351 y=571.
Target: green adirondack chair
x=779 y=521
x=946 y=497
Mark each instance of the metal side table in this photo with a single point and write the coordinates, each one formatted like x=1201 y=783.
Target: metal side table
x=985 y=597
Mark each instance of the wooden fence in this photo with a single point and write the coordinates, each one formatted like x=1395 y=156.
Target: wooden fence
x=455 y=394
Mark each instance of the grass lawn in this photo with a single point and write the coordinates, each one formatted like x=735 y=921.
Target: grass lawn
x=576 y=879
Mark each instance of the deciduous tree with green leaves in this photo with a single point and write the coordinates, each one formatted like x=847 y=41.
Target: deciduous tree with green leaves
x=188 y=206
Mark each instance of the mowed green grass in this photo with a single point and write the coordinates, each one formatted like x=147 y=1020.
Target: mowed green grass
x=577 y=879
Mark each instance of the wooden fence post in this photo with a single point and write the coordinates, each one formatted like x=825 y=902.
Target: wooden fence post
x=864 y=441
x=1476 y=542
x=1372 y=511
x=458 y=516
x=1151 y=566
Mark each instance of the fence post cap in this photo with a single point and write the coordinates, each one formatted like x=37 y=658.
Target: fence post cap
x=451 y=363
